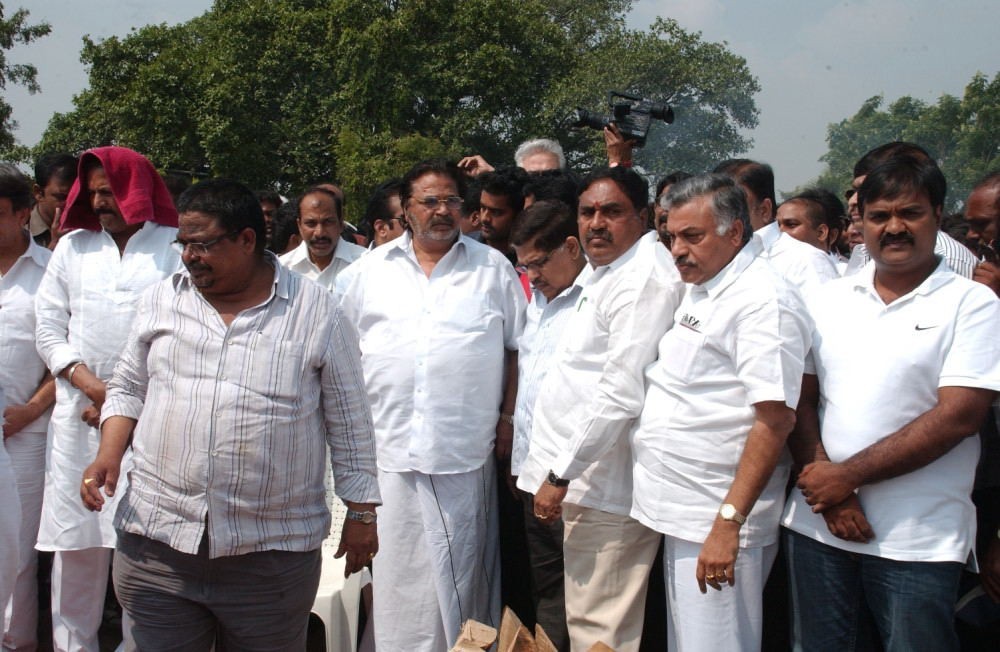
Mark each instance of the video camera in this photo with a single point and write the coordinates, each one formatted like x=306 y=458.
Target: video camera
x=630 y=113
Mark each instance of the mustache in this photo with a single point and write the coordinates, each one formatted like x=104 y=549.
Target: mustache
x=600 y=234
x=320 y=240
x=441 y=221
x=895 y=238
x=197 y=267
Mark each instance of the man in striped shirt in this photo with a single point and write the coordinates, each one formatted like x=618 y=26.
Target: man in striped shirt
x=236 y=376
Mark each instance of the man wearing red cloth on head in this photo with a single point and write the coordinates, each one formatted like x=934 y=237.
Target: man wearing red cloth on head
x=123 y=222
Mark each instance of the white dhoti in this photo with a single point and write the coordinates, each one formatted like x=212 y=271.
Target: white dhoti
x=730 y=619
x=438 y=563
x=20 y=620
x=82 y=540
x=10 y=524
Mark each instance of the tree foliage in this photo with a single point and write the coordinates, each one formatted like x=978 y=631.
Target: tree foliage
x=283 y=93
x=16 y=30
x=962 y=134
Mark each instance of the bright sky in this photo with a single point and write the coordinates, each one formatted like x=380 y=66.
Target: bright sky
x=816 y=60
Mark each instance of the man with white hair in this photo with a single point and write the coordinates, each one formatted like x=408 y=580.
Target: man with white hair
x=539 y=155
x=536 y=155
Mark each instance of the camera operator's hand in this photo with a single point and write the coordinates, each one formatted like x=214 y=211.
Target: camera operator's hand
x=619 y=149
x=475 y=165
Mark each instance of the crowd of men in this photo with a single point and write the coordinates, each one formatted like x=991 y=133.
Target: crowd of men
x=534 y=387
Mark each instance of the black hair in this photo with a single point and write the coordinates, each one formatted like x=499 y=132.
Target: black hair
x=378 y=205
x=757 y=177
x=59 y=165
x=548 y=222
x=627 y=180
x=505 y=182
x=554 y=184
x=15 y=186
x=900 y=175
x=232 y=204
x=439 y=166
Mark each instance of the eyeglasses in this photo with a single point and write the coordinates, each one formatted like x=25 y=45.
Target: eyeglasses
x=536 y=266
x=452 y=203
x=200 y=248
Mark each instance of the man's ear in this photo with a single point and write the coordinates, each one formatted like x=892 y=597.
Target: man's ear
x=766 y=208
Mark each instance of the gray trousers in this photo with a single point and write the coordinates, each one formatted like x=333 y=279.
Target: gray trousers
x=176 y=601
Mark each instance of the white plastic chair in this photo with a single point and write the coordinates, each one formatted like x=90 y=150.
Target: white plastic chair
x=338 y=599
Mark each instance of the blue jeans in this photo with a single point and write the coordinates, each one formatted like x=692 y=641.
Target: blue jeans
x=843 y=601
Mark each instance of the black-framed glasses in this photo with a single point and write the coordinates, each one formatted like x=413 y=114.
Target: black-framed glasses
x=432 y=203
x=537 y=265
x=200 y=248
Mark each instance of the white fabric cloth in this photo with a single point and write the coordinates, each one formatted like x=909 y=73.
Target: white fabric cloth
x=298 y=260
x=21 y=371
x=438 y=562
x=346 y=276
x=801 y=264
x=544 y=325
x=594 y=389
x=10 y=522
x=84 y=310
x=21 y=368
x=961 y=261
x=79 y=586
x=20 y=620
x=740 y=338
x=234 y=421
x=879 y=368
x=730 y=619
x=432 y=349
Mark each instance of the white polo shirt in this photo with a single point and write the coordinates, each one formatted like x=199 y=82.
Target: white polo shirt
x=298 y=260
x=595 y=389
x=879 y=368
x=544 y=325
x=21 y=368
x=432 y=350
x=740 y=338
x=802 y=265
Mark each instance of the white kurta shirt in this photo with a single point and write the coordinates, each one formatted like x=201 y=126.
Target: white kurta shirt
x=879 y=368
x=802 y=265
x=84 y=310
x=21 y=368
x=544 y=325
x=740 y=338
x=298 y=260
x=595 y=388
x=432 y=349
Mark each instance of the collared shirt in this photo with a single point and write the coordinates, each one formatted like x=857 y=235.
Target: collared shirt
x=595 y=389
x=39 y=230
x=87 y=299
x=544 y=325
x=802 y=265
x=740 y=338
x=879 y=368
x=961 y=261
x=21 y=368
x=433 y=351
x=84 y=311
x=234 y=421
x=298 y=260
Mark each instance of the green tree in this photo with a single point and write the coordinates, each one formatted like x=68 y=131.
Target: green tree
x=962 y=134
x=284 y=93
x=15 y=30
